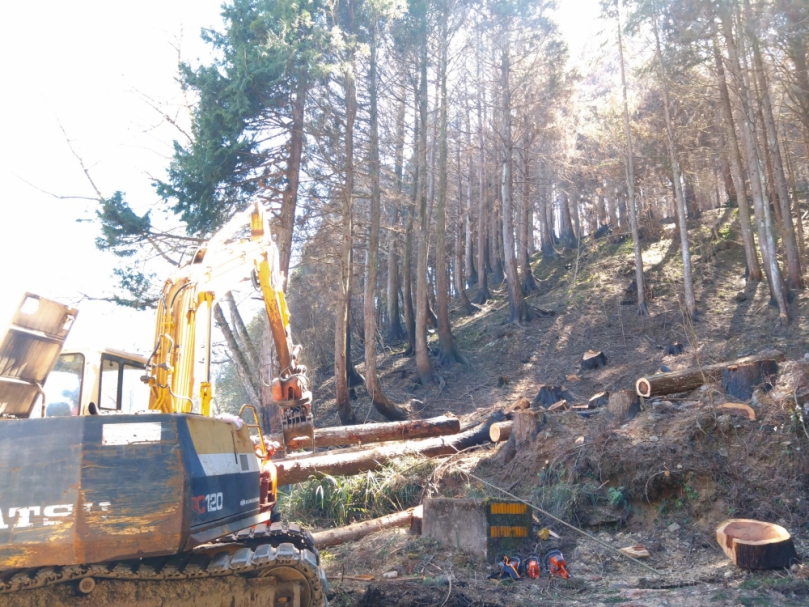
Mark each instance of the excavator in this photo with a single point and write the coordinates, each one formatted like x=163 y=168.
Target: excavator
x=114 y=466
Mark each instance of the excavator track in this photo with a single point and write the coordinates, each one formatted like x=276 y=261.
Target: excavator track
x=284 y=552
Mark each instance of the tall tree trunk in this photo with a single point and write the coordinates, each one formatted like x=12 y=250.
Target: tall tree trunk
x=410 y=313
x=794 y=274
x=762 y=209
x=341 y=323
x=567 y=238
x=395 y=330
x=289 y=200
x=270 y=413
x=240 y=331
x=529 y=283
x=498 y=271
x=383 y=404
x=246 y=376
x=520 y=311
x=462 y=236
x=546 y=215
x=682 y=216
x=630 y=184
x=737 y=171
x=424 y=365
x=448 y=349
x=483 y=294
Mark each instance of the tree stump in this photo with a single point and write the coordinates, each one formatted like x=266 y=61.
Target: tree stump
x=623 y=406
x=740 y=380
x=593 y=360
x=548 y=395
x=599 y=400
x=756 y=545
x=674 y=349
x=524 y=431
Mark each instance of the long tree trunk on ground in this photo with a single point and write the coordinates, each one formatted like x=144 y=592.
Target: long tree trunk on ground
x=762 y=209
x=395 y=330
x=341 y=327
x=448 y=349
x=289 y=200
x=737 y=171
x=688 y=279
x=424 y=365
x=383 y=404
x=794 y=274
x=630 y=184
x=483 y=294
x=520 y=311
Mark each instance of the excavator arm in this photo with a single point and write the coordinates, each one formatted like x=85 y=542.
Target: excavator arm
x=213 y=268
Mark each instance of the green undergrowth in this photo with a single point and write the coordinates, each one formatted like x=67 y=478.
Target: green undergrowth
x=343 y=500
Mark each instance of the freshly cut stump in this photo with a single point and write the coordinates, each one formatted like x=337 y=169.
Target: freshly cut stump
x=623 y=406
x=755 y=544
x=593 y=360
x=740 y=380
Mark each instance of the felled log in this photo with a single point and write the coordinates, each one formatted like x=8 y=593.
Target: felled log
x=623 y=406
x=694 y=377
x=674 y=349
x=292 y=471
x=352 y=533
x=599 y=400
x=377 y=433
x=738 y=409
x=593 y=360
x=756 y=545
x=500 y=432
x=740 y=380
x=548 y=395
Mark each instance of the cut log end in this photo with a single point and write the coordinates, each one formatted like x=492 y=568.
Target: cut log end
x=593 y=360
x=643 y=387
x=755 y=544
x=500 y=432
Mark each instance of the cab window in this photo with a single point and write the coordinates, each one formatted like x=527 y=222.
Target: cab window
x=63 y=387
x=121 y=388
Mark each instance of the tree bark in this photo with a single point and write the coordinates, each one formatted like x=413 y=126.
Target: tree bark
x=694 y=377
x=357 y=531
x=762 y=209
x=270 y=412
x=448 y=349
x=289 y=199
x=424 y=365
x=239 y=357
x=794 y=274
x=462 y=230
x=382 y=403
x=341 y=326
x=240 y=331
x=737 y=171
x=754 y=544
x=357 y=462
x=483 y=294
x=682 y=212
x=343 y=436
x=520 y=311
x=395 y=330
x=529 y=283
x=630 y=183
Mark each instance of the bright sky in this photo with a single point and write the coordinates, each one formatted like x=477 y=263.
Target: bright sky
x=88 y=64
